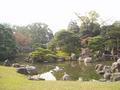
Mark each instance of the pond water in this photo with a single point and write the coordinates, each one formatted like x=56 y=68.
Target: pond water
x=74 y=69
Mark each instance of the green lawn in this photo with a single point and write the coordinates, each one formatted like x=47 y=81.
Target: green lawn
x=10 y=80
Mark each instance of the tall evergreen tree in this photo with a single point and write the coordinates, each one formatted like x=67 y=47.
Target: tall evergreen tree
x=7 y=43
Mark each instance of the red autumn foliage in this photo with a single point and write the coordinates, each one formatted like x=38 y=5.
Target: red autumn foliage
x=22 y=39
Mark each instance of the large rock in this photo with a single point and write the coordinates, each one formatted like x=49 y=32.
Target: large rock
x=31 y=70
x=66 y=77
x=88 y=60
x=80 y=59
x=107 y=55
x=107 y=69
x=118 y=67
x=107 y=76
x=48 y=76
x=73 y=56
x=118 y=61
x=57 y=69
x=16 y=65
x=115 y=67
x=115 y=77
x=100 y=72
x=99 y=69
x=22 y=70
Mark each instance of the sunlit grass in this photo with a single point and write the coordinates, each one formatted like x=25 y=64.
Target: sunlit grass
x=10 y=80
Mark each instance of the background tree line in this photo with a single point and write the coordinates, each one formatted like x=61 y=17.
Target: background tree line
x=88 y=34
x=16 y=39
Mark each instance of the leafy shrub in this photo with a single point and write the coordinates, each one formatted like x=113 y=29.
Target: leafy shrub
x=50 y=58
x=63 y=54
x=43 y=55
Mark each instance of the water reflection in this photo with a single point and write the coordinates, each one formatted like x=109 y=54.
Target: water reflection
x=73 y=64
x=88 y=64
x=76 y=63
x=74 y=68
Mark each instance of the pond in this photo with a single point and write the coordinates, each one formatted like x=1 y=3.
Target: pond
x=74 y=69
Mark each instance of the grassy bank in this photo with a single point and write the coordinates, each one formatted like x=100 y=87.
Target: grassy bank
x=10 y=80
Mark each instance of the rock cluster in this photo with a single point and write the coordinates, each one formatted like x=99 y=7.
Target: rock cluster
x=109 y=73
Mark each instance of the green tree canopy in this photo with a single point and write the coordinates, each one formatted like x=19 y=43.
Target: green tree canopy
x=96 y=43
x=40 y=33
x=111 y=33
x=67 y=41
x=7 y=43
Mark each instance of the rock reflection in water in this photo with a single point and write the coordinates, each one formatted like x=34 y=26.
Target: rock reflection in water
x=73 y=64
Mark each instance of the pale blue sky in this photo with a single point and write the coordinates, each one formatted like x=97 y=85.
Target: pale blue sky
x=56 y=13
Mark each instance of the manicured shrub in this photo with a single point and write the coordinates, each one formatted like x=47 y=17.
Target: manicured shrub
x=63 y=54
x=42 y=55
x=50 y=58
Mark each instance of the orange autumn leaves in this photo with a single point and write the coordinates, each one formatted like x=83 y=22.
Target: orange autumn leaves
x=21 y=39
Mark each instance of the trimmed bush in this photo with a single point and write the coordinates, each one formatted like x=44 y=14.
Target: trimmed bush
x=42 y=55
x=50 y=58
x=63 y=54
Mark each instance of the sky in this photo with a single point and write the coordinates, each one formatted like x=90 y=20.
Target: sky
x=55 y=13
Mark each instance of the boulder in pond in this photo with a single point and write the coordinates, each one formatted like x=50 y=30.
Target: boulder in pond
x=100 y=72
x=66 y=76
x=118 y=61
x=73 y=56
x=115 y=67
x=57 y=69
x=107 y=55
x=80 y=59
x=115 y=77
x=88 y=60
x=107 y=69
x=99 y=67
x=107 y=75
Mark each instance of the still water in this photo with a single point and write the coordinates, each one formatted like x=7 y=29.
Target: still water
x=74 y=69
